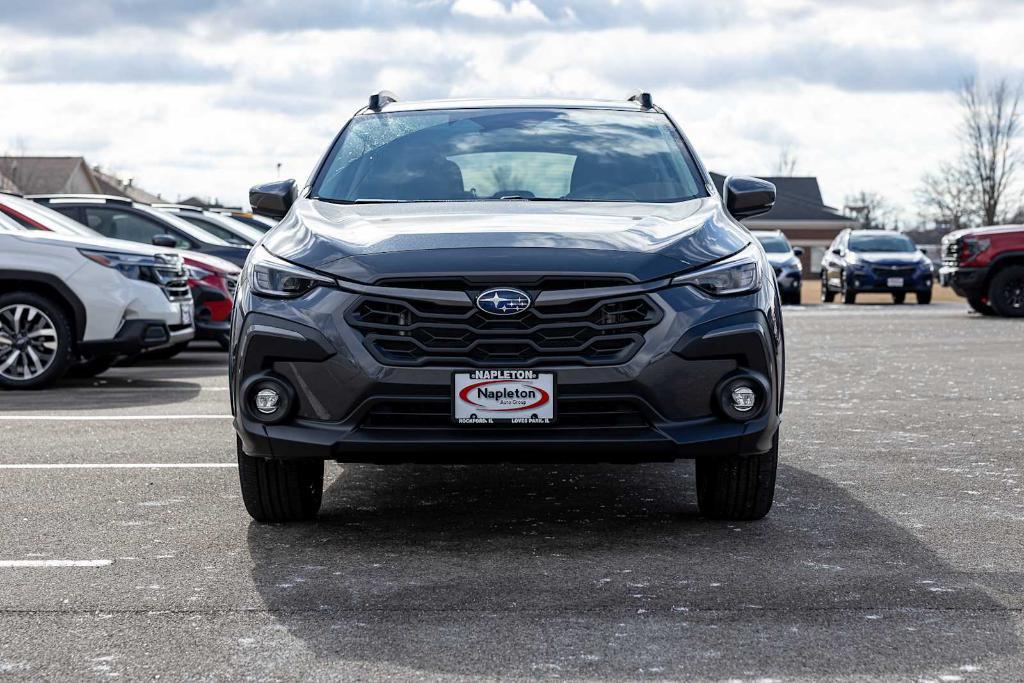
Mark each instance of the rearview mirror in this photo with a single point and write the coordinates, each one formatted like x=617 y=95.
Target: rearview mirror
x=164 y=241
x=273 y=199
x=746 y=197
x=798 y=251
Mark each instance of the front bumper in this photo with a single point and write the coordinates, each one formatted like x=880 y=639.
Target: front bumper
x=966 y=282
x=136 y=336
x=657 y=406
x=871 y=281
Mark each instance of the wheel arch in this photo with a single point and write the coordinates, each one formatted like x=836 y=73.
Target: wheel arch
x=52 y=288
x=1003 y=260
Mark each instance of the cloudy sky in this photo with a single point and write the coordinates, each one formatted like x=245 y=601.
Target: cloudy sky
x=208 y=96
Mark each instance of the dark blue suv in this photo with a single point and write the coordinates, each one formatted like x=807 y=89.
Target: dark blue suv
x=876 y=261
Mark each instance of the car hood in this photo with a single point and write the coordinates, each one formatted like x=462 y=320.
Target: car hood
x=210 y=262
x=891 y=258
x=982 y=232
x=368 y=242
x=88 y=242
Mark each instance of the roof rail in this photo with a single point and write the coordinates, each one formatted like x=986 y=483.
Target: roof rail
x=379 y=99
x=82 y=197
x=644 y=99
x=180 y=207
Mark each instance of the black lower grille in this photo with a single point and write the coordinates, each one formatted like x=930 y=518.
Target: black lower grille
x=586 y=332
x=893 y=271
x=572 y=413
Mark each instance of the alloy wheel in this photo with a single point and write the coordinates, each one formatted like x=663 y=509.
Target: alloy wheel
x=1013 y=293
x=28 y=342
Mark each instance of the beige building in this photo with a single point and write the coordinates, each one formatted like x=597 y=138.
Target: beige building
x=60 y=175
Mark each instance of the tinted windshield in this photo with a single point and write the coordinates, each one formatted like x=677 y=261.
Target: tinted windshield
x=192 y=231
x=543 y=154
x=239 y=236
x=50 y=219
x=880 y=242
x=774 y=244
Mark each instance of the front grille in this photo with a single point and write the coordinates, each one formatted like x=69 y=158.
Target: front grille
x=232 y=284
x=951 y=253
x=171 y=277
x=572 y=413
x=894 y=271
x=585 y=332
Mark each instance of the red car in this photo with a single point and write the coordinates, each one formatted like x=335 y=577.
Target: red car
x=211 y=279
x=986 y=265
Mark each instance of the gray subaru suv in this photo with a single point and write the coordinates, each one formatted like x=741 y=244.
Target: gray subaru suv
x=492 y=281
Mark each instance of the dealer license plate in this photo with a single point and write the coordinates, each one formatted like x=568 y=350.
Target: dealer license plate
x=894 y=282
x=503 y=397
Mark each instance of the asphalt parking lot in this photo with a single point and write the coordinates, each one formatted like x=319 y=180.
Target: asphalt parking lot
x=894 y=551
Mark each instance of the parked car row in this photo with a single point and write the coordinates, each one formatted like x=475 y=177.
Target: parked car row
x=58 y=314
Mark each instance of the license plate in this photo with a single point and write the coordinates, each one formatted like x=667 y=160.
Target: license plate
x=186 y=314
x=503 y=397
x=894 y=282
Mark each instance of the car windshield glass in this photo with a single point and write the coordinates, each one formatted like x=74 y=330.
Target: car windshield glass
x=881 y=242
x=192 y=231
x=774 y=244
x=50 y=219
x=532 y=154
x=213 y=226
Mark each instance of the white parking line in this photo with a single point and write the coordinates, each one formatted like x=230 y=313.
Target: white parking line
x=114 y=465
x=54 y=563
x=107 y=418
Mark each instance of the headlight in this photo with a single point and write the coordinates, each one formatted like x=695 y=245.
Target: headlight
x=197 y=273
x=132 y=266
x=738 y=274
x=274 y=277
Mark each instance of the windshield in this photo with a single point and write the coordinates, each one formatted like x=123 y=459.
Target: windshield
x=50 y=219
x=534 y=154
x=233 y=233
x=774 y=244
x=880 y=241
x=192 y=231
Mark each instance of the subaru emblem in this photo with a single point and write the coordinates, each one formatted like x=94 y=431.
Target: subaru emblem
x=503 y=301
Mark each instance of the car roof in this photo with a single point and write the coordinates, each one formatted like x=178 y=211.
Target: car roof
x=506 y=103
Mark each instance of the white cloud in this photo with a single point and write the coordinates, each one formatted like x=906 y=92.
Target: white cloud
x=519 y=10
x=860 y=90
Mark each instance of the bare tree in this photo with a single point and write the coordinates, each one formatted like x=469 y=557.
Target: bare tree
x=992 y=121
x=872 y=210
x=949 y=197
x=785 y=165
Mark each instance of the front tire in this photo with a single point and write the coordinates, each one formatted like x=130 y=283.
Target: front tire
x=980 y=306
x=899 y=297
x=35 y=341
x=792 y=297
x=827 y=296
x=924 y=298
x=738 y=487
x=280 y=490
x=1006 y=293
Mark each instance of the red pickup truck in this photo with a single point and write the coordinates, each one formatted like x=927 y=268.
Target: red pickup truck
x=986 y=265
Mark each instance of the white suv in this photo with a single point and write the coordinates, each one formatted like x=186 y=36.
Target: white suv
x=67 y=300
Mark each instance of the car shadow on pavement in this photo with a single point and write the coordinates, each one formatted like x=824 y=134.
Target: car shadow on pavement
x=607 y=571
x=109 y=393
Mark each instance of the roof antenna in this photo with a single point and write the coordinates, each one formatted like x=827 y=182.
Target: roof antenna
x=643 y=98
x=379 y=99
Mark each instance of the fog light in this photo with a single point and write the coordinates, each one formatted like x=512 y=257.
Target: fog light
x=743 y=399
x=267 y=401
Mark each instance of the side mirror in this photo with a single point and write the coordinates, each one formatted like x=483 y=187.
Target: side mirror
x=164 y=241
x=837 y=252
x=746 y=197
x=798 y=251
x=273 y=199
